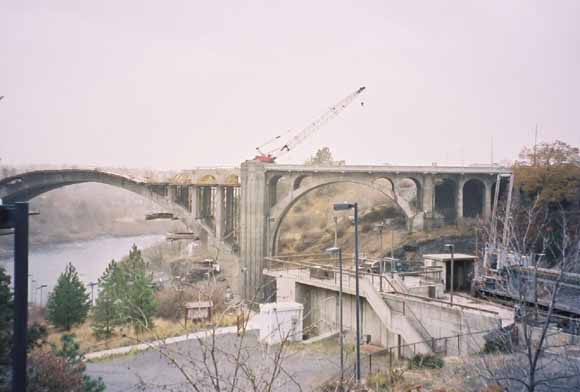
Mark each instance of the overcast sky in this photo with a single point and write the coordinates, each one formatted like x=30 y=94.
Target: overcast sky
x=179 y=84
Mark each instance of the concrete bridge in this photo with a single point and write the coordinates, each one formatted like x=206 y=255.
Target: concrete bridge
x=242 y=209
x=455 y=192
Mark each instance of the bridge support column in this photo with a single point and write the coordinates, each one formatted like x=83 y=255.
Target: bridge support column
x=171 y=191
x=253 y=215
x=193 y=201
x=428 y=200
x=219 y=214
x=229 y=218
x=459 y=200
x=487 y=201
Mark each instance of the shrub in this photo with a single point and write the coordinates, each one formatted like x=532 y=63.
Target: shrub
x=385 y=380
x=429 y=361
x=51 y=373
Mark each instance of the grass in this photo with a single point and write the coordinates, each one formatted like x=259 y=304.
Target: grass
x=126 y=336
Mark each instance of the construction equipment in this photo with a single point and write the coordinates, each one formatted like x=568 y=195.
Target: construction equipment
x=272 y=155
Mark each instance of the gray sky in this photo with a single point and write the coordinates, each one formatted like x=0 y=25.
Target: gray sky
x=178 y=84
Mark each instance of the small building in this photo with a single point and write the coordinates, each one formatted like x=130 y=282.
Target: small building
x=198 y=311
x=463 y=269
x=281 y=321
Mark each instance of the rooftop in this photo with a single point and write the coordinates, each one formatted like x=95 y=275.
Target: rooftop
x=447 y=256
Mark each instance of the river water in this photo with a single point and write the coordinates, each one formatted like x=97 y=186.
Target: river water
x=89 y=258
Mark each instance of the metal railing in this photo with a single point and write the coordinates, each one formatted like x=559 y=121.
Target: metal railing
x=455 y=345
x=324 y=268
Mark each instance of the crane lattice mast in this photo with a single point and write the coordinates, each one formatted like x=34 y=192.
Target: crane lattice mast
x=305 y=133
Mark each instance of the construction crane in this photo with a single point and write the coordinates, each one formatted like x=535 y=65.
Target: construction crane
x=272 y=155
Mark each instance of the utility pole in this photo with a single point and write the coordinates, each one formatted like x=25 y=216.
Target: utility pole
x=335 y=231
x=380 y=227
x=92 y=284
x=451 y=249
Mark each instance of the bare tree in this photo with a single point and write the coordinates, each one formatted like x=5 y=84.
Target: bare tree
x=537 y=354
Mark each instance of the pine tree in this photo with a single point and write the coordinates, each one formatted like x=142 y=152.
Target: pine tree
x=69 y=303
x=138 y=296
x=106 y=310
x=6 y=317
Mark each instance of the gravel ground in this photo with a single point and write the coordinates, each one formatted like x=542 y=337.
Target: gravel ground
x=152 y=371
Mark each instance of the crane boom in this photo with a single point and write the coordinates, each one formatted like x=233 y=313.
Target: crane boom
x=318 y=123
x=305 y=133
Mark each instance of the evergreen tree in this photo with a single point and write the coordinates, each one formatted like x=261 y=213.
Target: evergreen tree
x=70 y=351
x=6 y=317
x=69 y=303
x=137 y=293
x=106 y=310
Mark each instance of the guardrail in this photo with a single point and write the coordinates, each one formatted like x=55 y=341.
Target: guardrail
x=325 y=269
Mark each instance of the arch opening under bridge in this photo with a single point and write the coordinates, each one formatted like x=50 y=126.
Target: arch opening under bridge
x=280 y=211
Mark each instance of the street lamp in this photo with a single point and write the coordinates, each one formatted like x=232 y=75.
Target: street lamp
x=92 y=284
x=380 y=227
x=41 y=287
x=343 y=207
x=336 y=250
x=451 y=247
x=32 y=291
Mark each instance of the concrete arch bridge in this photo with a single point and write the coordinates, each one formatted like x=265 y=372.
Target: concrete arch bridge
x=193 y=196
x=241 y=209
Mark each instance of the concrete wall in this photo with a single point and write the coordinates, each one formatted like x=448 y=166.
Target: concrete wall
x=321 y=314
x=443 y=321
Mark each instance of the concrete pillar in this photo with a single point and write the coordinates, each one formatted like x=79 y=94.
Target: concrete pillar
x=487 y=201
x=193 y=199
x=229 y=218
x=171 y=193
x=205 y=202
x=219 y=213
x=428 y=195
x=459 y=199
x=253 y=216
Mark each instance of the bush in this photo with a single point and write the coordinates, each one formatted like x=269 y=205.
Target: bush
x=171 y=301
x=61 y=370
x=386 y=380
x=429 y=361
x=51 y=373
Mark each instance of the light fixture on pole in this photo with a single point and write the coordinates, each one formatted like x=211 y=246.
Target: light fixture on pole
x=451 y=248
x=338 y=251
x=344 y=207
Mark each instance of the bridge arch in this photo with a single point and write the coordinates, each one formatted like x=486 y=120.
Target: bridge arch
x=281 y=209
x=473 y=198
x=26 y=186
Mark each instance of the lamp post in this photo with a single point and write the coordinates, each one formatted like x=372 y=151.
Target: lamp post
x=30 y=288
x=536 y=261
x=41 y=287
x=380 y=227
x=33 y=291
x=336 y=250
x=92 y=284
x=451 y=247
x=343 y=207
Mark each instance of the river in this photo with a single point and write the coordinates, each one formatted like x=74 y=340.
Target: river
x=89 y=258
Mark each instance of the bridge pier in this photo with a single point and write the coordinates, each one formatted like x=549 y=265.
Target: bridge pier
x=459 y=200
x=253 y=217
x=219 y=214
x=487 y=201
x=193 y=202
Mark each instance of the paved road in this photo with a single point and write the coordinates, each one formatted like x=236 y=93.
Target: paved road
x=152 y=371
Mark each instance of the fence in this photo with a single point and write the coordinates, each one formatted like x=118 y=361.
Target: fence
x=448 y=346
